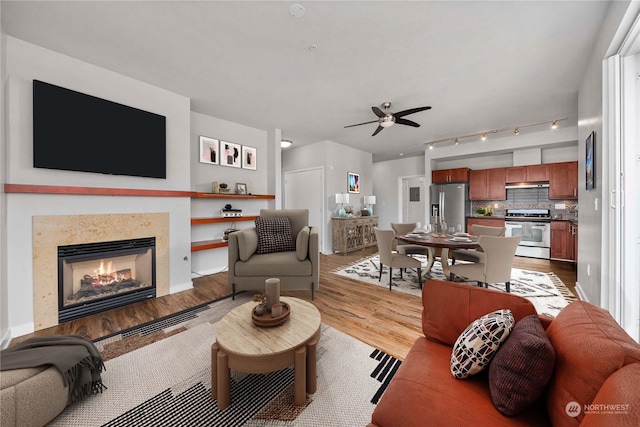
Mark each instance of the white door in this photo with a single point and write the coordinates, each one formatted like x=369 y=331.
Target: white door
x=413 y=200
x=304 y=189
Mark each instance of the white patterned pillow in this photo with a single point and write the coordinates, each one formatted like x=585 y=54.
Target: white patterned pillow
x=475 y=347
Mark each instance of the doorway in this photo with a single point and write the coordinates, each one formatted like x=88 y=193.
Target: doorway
x=304 y=189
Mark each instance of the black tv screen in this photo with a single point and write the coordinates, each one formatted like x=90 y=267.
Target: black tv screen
x=79 y=132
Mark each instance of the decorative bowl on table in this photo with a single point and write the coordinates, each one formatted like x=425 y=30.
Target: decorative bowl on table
x=265 y=320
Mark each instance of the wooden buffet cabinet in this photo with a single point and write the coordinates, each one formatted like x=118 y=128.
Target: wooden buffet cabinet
x=353 y=233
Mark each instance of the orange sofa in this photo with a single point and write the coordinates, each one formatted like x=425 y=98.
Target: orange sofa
x=595 y=379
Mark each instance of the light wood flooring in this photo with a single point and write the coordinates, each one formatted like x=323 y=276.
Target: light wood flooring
x=387 y=320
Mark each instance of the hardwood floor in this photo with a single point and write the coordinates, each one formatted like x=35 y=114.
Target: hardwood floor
x=390 y=321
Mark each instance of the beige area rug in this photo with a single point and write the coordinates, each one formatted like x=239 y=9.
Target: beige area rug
x=545 y=290
x=168 y=382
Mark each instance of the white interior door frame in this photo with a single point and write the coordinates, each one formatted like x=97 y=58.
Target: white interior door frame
x=304 y=189
x=403 y=196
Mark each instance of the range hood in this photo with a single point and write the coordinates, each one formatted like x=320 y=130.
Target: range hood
x=528 y=185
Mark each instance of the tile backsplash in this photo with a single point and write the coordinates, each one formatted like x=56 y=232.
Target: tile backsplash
x=529 y=198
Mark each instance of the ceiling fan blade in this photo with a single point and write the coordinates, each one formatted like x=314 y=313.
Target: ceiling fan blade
x=407 y=122
x=378 y=112
x=365 y=123
x=411 y=111
x=377 y=130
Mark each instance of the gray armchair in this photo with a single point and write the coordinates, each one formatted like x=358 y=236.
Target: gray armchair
x=297 y=269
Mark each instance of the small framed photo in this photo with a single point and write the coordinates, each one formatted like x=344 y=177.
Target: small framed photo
x=590 y=161
x=241 y=188
x=353 y=182
x=230 y=154
x=249 y=157
x=209 y=150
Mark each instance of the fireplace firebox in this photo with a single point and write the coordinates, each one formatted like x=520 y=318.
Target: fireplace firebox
x=96 y=277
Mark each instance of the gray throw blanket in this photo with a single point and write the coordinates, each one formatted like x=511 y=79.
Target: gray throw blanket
x=77 y=359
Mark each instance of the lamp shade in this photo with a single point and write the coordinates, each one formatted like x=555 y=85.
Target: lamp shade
x=342 y=198
x=369 y=200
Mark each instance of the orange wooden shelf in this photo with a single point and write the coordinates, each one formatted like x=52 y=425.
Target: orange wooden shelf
x=233 y=196
x=196 y=221
x=204 y=245
x=100 y=191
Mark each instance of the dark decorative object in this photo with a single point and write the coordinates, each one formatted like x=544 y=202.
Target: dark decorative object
x=590 y=164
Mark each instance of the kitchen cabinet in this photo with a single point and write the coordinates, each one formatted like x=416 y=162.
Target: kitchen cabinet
x=563 y=181
x=203 y=245
x=529 y=173
x=489 y=222
x=445 y=176
x=562 y=244
x=488 y=184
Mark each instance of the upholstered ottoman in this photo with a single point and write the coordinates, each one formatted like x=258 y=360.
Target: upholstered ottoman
x=31 y=397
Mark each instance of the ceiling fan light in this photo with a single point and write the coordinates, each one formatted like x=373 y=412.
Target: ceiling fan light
x=386 y=123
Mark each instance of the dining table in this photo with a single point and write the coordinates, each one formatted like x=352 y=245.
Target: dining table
x=444 y=242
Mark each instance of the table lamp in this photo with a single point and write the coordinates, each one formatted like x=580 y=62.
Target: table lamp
x=370 y=201
x=341 y=199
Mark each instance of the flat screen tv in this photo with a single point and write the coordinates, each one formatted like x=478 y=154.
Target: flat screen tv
x=78 y=132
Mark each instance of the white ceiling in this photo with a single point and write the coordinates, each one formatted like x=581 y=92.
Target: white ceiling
x=478 y=64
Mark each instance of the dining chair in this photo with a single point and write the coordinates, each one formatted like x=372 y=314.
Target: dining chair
x=476 y=255
x=495 y=267
x=401 y=228
x=393 y=259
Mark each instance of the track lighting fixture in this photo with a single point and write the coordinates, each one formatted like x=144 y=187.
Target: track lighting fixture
x=483 y=133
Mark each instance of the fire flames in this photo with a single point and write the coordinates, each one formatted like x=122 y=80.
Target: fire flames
x=107 y=275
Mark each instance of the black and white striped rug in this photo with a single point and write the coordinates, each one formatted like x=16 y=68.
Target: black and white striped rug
x=168 y=383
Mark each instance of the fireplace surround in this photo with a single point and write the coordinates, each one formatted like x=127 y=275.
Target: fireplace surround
x=95 y=277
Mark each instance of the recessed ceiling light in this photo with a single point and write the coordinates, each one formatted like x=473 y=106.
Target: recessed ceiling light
x=297 y=10
x=285 y=143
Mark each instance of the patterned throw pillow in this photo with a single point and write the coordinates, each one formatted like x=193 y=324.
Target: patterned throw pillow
x=274 y=235
x=521 y=369
x=475 y=347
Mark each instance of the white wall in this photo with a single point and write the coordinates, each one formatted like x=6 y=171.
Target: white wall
x=25 y=62
x=337 y=160
x=590 y=119
x=202 y=175
x=4 y=291
x=387 y=177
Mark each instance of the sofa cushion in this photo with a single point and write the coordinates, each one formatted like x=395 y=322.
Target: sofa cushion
x=522 y=367
x=302 y=243
x=450 y=307
x=621 y=391
x=423 y=393
x=590 y=346
x=247 y=243
x=476 y=346
x=278 y=264
x=274 y=235
x=297 y=217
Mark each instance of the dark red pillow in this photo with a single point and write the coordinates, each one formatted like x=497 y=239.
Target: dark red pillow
x=522 y=367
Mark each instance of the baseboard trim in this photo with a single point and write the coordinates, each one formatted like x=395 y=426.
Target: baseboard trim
x=174 y=289
x=6 y=339
x=24 y=329
x=581 y=293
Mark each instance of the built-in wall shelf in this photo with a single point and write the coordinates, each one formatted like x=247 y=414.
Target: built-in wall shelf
x=208 y=244
x=94 y=191
x=233 y=196
x=197 y=221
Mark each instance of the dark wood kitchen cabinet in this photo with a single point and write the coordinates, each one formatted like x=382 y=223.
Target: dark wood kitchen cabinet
x=445 y=176
x=563 y=181
x=562 y=241
x=529 y=173
x=487 y=184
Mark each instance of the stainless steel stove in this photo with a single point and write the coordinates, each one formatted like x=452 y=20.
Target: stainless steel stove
x=534 y=225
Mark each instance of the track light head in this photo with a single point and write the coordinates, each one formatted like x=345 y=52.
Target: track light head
x=554 y=125
x=456 y=141
x=484 y=136
x=517 y=131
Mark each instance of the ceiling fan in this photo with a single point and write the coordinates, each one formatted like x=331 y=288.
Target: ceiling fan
x=386 y=118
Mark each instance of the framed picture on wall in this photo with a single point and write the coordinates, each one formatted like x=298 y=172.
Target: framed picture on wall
x=230 y=154
x=353 y=182
x=589 y=163
x=209 y=150
x=249 y=157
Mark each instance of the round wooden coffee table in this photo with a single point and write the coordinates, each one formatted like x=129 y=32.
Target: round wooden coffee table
x=244 y=347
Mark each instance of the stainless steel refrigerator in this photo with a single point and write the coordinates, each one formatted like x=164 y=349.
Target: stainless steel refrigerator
x=453 y=201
